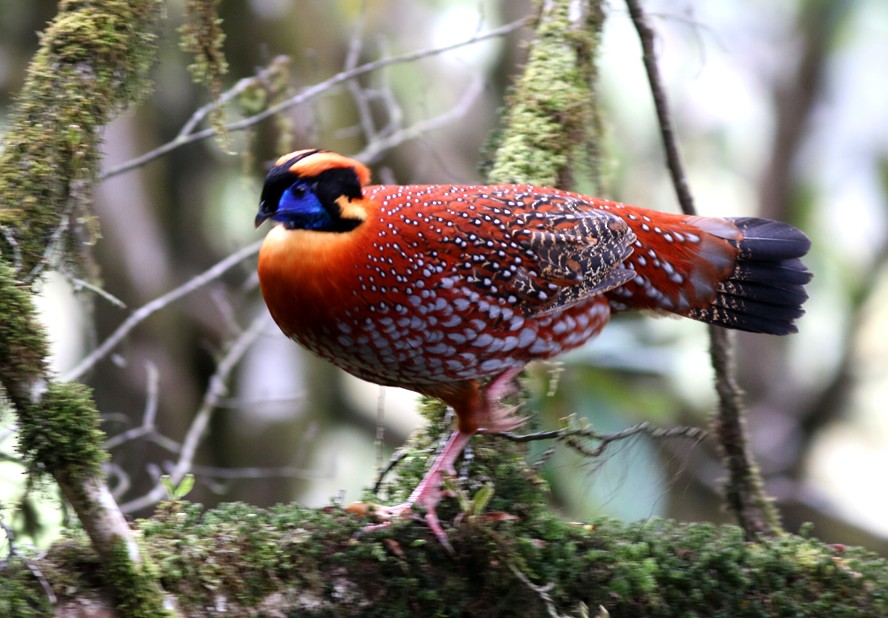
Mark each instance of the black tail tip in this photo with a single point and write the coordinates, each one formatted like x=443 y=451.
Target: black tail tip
x=766 y=291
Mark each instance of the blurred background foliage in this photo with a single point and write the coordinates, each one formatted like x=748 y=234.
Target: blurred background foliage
x=781 y=111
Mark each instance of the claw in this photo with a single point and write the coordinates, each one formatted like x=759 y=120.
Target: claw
x=426 y=495
x=388 y=514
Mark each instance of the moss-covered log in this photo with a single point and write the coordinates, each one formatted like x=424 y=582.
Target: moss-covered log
x=512 y=557
x=517 y=558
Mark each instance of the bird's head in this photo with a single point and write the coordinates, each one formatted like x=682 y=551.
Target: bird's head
x=314 y=190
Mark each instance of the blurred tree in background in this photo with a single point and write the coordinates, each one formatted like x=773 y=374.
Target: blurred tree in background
x=779 y=110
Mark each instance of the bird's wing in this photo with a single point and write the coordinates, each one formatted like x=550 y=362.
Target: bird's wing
x=548 y=250
x=572 y=256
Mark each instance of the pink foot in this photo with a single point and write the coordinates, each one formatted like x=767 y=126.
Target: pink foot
x=426 y=495
x=405 y=511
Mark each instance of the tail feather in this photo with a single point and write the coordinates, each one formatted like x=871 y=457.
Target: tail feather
x=765 y=292
x=762 y=293
x=743 y=273
x=767 y=240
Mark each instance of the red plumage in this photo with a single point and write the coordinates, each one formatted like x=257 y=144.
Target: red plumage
x=434 y=287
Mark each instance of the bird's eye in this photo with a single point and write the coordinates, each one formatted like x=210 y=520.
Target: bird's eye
x=299 y=190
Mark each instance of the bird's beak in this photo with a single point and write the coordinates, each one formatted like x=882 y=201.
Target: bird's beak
x=262 y=215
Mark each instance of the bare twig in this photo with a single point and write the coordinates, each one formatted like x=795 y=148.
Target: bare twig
x=376 y=147
x=306 y=95
x=355 y=46
x=79 y=284
x=379 y=439
x=664 y=118
x=151 y=399
x=215 y=391
x=152 y=307
x=226 y=97
x=744 y=492
x=16 y=249
x=53 y=246
x=118 y=479
x=35 y=571
x=570 y=435
x=283 y=472
x=393 y=461
x=541 y=591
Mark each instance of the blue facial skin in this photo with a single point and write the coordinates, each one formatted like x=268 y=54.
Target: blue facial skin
x=299 y=208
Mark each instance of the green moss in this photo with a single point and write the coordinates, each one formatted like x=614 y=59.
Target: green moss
x=311 y=562
x=93 y=59
x=658 y=568
x=552 y=124
x=23 y=346
x=134 y=585
x=61 y=434
x=21 y=595
x=202 y=36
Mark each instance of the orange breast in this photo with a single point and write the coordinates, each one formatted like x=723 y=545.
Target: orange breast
x=307 y=277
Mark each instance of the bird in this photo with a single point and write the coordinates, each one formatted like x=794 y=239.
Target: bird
x=451 y=290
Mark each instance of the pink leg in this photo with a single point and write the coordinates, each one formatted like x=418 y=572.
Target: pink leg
x=428 y=492
x=477 y=410
x=495 y=417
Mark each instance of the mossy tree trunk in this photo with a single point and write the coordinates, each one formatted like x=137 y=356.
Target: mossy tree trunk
x=92 y=62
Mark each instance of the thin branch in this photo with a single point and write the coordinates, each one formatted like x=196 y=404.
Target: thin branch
x=541 y=591
x=670 y=143
x=150 y=413
x=743 y=490
x=379 y=439
x=53 y=245
x=376 y=147
x=355 y=46
x=215 y=391
x=16 y=249
x=226 y=97
x=570 y=436
x=282 y=472
x=35 y=571
x=308 y=94
x=405 y=450
x=152 y=307
x=695 y=433
x=393 y=461
x=80 y=284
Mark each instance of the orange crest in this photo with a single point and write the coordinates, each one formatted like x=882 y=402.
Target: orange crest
x=311 y=162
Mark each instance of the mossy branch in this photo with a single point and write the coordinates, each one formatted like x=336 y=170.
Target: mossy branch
x=516 y=558
x=513 y=556
x=203 y=36
x=551 y=127
x=92 y=62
